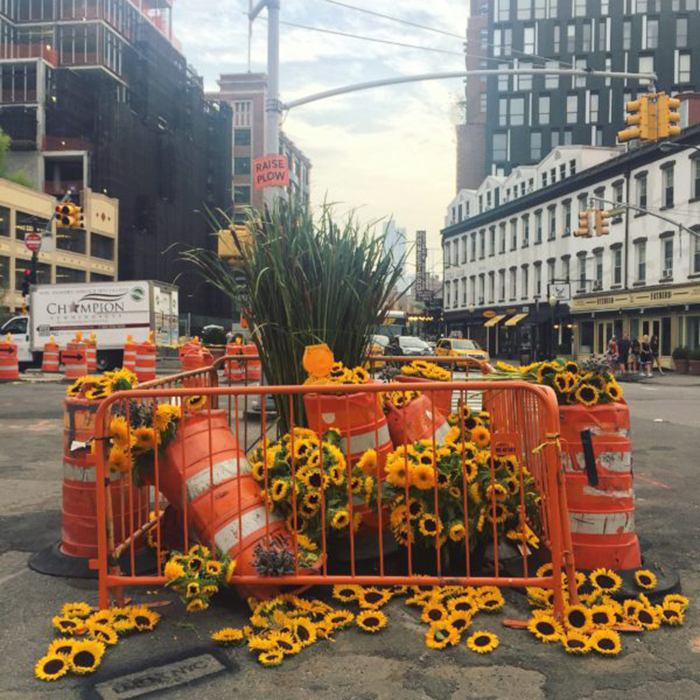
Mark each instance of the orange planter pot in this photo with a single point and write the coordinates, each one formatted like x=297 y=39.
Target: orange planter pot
x=599 y=485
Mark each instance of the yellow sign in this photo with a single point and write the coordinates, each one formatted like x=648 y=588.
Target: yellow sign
x=489 y=314
x=645 y=298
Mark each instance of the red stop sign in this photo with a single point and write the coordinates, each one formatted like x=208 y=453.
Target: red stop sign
x=33 y=241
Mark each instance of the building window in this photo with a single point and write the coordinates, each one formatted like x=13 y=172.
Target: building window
x=69 y=275
x=681 y=32
x=567 y=218
x=463 y=285
x=668 y=185
x=667 y=257
x=617 y=266
x=242 y=114
x=448 y=295
x=473 y=246
x=513 y=284
x=566 y=269
x=603 y=35
x=241 y=165
x=579 y=8
x=464 y=250
x=482 y=289
x=538 y=280
x=540 y=9
x=570 y=38
x=472 y=289
x=28 y=223
x=503 y=111
x=502 y=10
x=525 y=282
x=529 y=40
x=241 y=137
x=544 y=102
x=500 y=147
x=553 y=7
x=604 y=7
x=646 y=64
x=571 y=109
x=524 y=9
x=455 y=252
x=514 y=234
x=593 y=106
x=552 y=223
x=241 y=194
x=535 y=145
x=502 y=239
x=526 y=231
x=501 y=285
x=694 y=192
x=640 y=254
x=586 y=40
x=5 y=273
x=538 y=227
x=683 y=67
x=557 y=39
x=598 y=264
x=550 y=271
x=642 y=181
x=552 y=81
x=517 y=111
x=581 y=286
x=617 y=192
x=492 y=287
x=524 y=82
x=101 y=247
x=696 y=254
x=626 y=35
x=454 y=293
x=5 y=222
x=652 y=34
x=492 y=241
x=482 y=244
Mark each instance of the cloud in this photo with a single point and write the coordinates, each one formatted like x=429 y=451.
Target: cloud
x=388 y=151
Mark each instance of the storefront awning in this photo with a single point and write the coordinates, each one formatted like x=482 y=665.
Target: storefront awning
x=493 y=321
x=515 y=320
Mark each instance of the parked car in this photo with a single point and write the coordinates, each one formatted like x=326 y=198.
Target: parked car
x=461 y=347
x=408 y=345
x=378 y=347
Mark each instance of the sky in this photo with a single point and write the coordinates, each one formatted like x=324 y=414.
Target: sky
x=388 y=152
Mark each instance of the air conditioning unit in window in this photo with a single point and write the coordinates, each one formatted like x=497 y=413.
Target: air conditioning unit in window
x=667 y=273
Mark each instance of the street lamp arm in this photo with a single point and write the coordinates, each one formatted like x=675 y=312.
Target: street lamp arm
x=663 y=217
x=646 y=77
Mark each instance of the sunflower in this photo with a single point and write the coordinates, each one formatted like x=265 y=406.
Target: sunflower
x=51 y=667
x=497 y=513
x=464 y=603
x=441 y=635
x=304 y=631
x=279 y=489
x=602 y=616
x=119 y=431
x=339 y=619
x=606 y=642
x=103 y=633
x=371 y=620
x=341 y=519
x=429 y=525
x=587 y=395
x=605 y=580
x=576 y=643
x=63 y=647
x=119 y=459
x=101 y=617
x=490 y=602
x=459 y=620
x=496 y=491
x=482 y=642
x=434 y=612
x=545 y=628
x=144 y=619
x=122 y=620
x=345 y=593
x=228 y=635
x=677 y=599
x=672 y=614
x=286 y=643
x=193 y=588
x=69 y=625
x=422 y=476
x=87 y=656
x=195 y=563
x=194 y=403
x=480 y=436
x=213 y=568
x=76 y=610
x=457 y=531
x=645 y=579
x=145 y=438
x=197 y=605
x=273 y=657
x=372 y=598
x=649 y=618
x=361 y=375
x=578 y=618
x=613 y=391
x=561 y=382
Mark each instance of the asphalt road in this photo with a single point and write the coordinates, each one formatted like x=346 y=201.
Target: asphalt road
x=395 y=663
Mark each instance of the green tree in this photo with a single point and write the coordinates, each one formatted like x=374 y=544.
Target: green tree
x=19 y=177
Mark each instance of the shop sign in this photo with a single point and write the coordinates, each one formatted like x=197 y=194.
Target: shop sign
x=682 y=294
x=489 y=314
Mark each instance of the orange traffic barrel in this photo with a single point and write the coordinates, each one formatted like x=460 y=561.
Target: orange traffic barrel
x=252 y=368
x=50 y=358
x=206 y=466
x=417 y=420
x=9 y=364
x=146 y=356
x=79 y=510
x=196 y=358
x=130 y=348
x=597 y=463
x=74 y=359
x=443 y=399
x=91 y=350
x=234 y=369
x=188 y=347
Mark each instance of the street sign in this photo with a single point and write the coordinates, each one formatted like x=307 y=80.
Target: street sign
x=33 y=242
x=270 y=171
x=561 y=291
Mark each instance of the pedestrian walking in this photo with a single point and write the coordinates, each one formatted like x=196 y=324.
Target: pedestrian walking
x=611 y=354
x=623 y=352
x=654 y=344
x=645 y=356
x=635 y=350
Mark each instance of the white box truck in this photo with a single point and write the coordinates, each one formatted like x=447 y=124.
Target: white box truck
x=112 y=310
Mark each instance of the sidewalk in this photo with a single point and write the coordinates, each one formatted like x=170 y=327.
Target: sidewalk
x=667 y=379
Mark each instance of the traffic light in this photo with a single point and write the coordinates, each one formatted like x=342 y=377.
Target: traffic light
x=668 y=116
x=584 y=226
x=70 y=216
x=602 y=226
x=27 y=281
x=641 y=116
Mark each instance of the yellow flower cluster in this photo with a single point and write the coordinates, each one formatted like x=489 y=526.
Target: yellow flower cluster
x=589 y=624
x=86 y=634
x=427 y=370
x=198 y=575
x=340 y=374
x=95 y=387
x=398 y=399
x=312 y=473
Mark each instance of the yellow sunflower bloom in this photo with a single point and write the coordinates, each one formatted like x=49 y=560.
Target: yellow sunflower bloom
x=371 y=620
x=480 y=436
x=545 y=628
x=87 y=656
x=441 y=635
x=645 y=579
x=576 y=643
x=145 y=438
x=51 y=667
x=606 y=642
x=482 y=642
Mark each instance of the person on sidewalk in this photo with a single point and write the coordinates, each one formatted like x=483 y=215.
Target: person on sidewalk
x=611 y=354
x=623 y=352
x=645 y=356
x=654 y=344
x=635 y=349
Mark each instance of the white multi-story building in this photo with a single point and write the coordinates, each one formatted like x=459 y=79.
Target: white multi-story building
x=518 y=280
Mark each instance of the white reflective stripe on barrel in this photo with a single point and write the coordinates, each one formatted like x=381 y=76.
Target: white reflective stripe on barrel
x=599 y=493
x=601 y=523
x=366 y=441
x=85 y=475
x=612 y=461
x=253 y=520
x=441 y=432
x=202 y=481
x=622 y=432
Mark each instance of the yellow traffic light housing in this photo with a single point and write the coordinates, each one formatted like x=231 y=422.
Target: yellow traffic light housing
x=602 y=225
x=584 y=226
x=70 y=216
x=642 y=118
x=668 y=116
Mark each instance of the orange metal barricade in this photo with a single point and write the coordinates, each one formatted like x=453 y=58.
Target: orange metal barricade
x=524 y=424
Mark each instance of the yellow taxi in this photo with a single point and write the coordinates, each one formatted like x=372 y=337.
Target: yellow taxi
x=461 y=347
x=378 y=346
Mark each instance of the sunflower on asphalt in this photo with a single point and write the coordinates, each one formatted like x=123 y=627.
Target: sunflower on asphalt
x=345 y=592
x=69 y=625
x=441 y=635
x=645 y=579
x=76 y=610
x=371 y=620
x=578 y=618
x=144 y=619
x=87 y=656
x=371 y=598
x=228 y=636
x=434 y=612
x=606 y=642
x=339 y=618
x=545 y=627
x=52 y=667
x=274 y=657
x=576 y=642
x=605 y=580
x=63 y=646
x=482 y=642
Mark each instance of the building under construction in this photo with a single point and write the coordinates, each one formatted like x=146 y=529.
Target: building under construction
x=96 y=93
